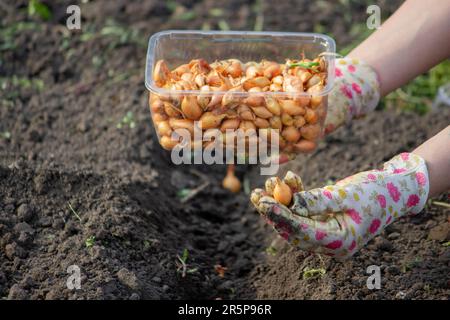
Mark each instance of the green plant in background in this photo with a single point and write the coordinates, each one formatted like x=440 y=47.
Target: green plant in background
x=258 y=9
x=411 y=264
x=89 y=32
x=180 y=12
x=186 y=15
x=7 y=84
x=171 y=5
x=8 y=34
x=97 y=61
x=310 y=273
x=37 y=8
x=206 y=26
x=21 y=82
x=223 y=25
x=182 y=265
x=216 y=12
x=246 y=185
x=5 y=135
x=149 y=243
x=271 y=251
x=120 y=35
x=90 y=242
x=183 y=193
x=10 y=87
x=418 y=95
x=127 y=120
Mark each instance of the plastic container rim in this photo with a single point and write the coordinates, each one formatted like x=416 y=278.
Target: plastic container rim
x=150 y=61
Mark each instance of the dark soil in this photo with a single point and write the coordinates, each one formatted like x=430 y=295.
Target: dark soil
x=128 y=223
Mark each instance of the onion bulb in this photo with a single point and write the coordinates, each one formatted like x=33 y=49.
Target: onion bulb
x=230 y=182
x=282 y=193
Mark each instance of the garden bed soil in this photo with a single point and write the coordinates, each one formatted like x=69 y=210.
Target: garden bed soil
x=77 y=190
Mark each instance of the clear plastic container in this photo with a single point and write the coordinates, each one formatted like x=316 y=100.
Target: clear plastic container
x=180 y=47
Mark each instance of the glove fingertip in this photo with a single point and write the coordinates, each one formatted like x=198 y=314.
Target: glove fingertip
x=293 y=181
x=265 y=205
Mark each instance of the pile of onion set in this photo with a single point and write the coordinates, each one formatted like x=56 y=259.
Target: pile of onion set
x=229 y=94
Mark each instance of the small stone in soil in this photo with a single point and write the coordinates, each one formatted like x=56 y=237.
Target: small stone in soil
x=83 y=126
x=25 y=238
x=392 y=228
x=440 y=232
x=400 y=295
x=45 y=222
x=9 y=209
x=27 y=282
x=13 y=249
x=17 y=293
x=24 y=212
x=39 y=184
x=129 y=279
x=394 y=270
x=97 y=252
x=417 y=286
x=332 y=289
x=23 y=227
x=393 y=236
x=134 y=296
x=383 y=244
x=17 y=262
x=156 y=279
x=430 y=224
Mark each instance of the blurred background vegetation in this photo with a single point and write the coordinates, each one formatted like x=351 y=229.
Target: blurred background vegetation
x=120 y=24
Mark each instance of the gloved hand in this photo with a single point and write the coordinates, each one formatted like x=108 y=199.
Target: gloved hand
x=356 y=92
x=339 y=219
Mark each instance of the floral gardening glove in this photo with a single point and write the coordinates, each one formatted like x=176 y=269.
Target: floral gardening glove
x=356 y=92
x=339 y=219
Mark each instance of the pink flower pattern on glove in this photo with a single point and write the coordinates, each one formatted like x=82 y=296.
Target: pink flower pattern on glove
x=393 y=191
x=328 y=194
x=413 y=200
x=346 y=91
x=421 y=178
x=356 y=88
x=354 y=215
x=374 y=225
x=382 y=200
